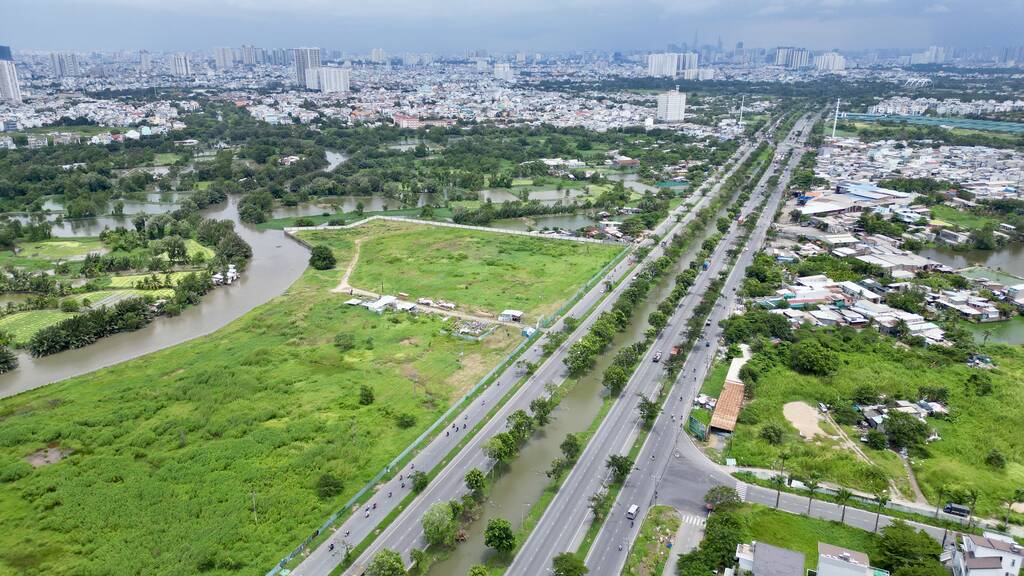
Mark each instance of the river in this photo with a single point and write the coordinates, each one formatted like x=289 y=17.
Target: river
x=276 y=263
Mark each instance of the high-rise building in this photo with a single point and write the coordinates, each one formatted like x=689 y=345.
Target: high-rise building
x=482 y=65
x=224 y=57
x=252 y=55
x=672 y=106
x=332 y=79
x=9 y=89
x=65 y=64
x=145 y=62
x=661 y=65
x=378 y=55
x=503 y=72
x=791 y=57
x=688 y=61
x=305 y=59
x=280 y=57
x=830 y=62
x=180 y=65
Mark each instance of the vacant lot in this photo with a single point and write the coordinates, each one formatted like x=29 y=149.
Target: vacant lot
x=802 y=534
x=481 y=271
x=962 y=218
x=168 y=451
x=978 y=422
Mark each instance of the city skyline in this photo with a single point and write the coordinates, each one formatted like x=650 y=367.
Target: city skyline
x=400 y=25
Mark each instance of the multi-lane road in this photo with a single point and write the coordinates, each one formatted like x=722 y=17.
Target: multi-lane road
x=405 y=532
x=659 y=455
x=566 y=519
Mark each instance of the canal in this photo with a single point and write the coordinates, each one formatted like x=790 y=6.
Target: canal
x=521 y=484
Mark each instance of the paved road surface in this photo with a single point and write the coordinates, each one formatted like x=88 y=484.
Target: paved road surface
x=566 y=519
x=644 y=487
x=405 y=532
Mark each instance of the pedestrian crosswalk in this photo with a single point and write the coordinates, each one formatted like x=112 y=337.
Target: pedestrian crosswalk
x=693 y=520
x=741 y=489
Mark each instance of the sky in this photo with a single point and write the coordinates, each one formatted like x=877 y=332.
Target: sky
x=454 y=26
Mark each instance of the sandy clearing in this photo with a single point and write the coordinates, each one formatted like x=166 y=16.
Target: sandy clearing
x=804 y=418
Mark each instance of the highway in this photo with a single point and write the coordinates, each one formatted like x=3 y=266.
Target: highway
x=405 y=532
x=689 y=484
x=565 y=521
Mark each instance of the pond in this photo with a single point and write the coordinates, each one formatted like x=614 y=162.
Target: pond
x=1009 y=258
x=560 y=221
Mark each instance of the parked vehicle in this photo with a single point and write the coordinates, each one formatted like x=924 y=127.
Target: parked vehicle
x=957 y=509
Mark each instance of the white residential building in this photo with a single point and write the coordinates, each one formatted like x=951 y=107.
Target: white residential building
x=333 y=79
x=65 y=64
x=378 y=55
x=503 y=72
x=672 y=106
x=830 y=62
x=180 y=65
x=224 y=57
x=306 y=59
x=9 y=89
x=987 y=555
x=661 y=65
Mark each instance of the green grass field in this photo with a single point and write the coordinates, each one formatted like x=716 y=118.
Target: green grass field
x=962 y=218
x=193 y=248
x=108 y=297
x=715 y=380
x=165 y=158
x=23 y=325
x=650 y=551
x=976 y=424
x=481 y=271
x=802 y=534
x=43 y=255
x=171 y=449
x=132 y=280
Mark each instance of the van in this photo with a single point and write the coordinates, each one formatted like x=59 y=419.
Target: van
x=631 y=513
x=957 y=510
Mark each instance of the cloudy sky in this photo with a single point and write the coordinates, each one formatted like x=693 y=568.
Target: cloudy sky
x=355 y=26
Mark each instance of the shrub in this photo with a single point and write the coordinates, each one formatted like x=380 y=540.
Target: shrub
x=303 y=222
x=328 y=486
x=772 y=434
x=321 y=258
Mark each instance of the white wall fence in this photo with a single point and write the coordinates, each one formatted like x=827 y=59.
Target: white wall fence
x=292 y=230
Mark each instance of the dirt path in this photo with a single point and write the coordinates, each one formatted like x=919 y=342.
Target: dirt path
x=344 y=285
x=918 y=495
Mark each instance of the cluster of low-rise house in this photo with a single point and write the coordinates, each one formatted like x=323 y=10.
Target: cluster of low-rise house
x=983 y=171
x=902 y=105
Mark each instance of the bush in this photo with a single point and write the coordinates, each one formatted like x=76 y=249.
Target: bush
x=772 y=434
x=69 y=305
x=405 y=420
x=303 y=222
x=344 y=342
x=328 y=486
x=321 y=258
x=877 y=440
x=365 y=395
x=419 y=481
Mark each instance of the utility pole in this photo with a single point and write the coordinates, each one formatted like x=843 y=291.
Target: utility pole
x=835 y=119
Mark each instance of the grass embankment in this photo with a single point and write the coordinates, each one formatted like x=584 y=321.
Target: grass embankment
x=802 y=533
x=439 y=214
x=650 y=550
x=169 y=450
x=482 y=272
x=977 y=424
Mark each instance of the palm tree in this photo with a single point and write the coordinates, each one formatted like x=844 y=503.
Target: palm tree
x=812 y=485
x=843 y=496
x=882 y=498
x=779 y=481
